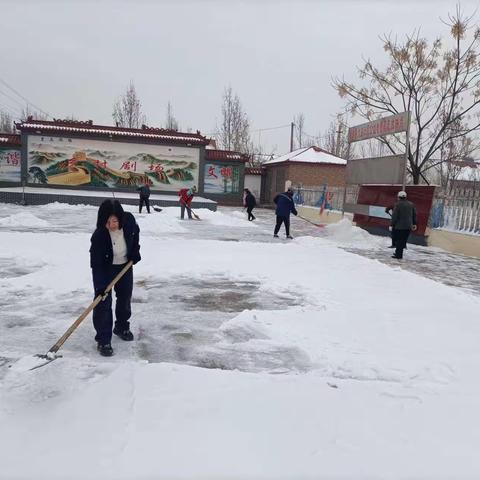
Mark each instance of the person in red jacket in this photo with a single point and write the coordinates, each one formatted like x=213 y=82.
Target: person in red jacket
x=186 y=196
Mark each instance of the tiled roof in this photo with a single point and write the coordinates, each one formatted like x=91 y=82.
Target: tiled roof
x=308 y=155
x=225 y=155
x=254 y=170
x=87 y=128
x=10 y=140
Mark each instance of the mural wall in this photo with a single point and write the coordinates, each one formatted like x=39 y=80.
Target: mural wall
x=222 y=179
x=103 y=164
x=10 y=165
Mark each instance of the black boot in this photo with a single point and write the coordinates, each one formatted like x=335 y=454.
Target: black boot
x=105 y=350
x=125 y=335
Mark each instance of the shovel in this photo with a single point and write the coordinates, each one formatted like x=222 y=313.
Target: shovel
x=51 y=355
x=189 y=209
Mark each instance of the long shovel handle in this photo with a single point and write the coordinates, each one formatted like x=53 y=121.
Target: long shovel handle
x=97 y=300
x=190 y=210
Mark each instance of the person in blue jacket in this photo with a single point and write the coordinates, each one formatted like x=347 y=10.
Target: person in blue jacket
x=114 y=243
x=285 y=206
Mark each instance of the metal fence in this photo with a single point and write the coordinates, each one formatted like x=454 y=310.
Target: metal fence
x=457 y=212
x=328 y=198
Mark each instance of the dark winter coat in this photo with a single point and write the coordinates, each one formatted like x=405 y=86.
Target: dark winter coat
x=285 y=205
x=250 y=200
x=144 y=191
x=101 y=249
x=404 y=215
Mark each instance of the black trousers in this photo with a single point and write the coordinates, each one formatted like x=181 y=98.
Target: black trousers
x=393 y=236
x=102 y=313
x=401 y=237
x=182 y=211
x=250 y=214
x=146 y=202
x=286 y=221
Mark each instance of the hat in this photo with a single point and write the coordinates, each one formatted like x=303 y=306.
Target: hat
x=402 y=194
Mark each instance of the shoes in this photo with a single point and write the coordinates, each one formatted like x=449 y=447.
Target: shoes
x=398 y=258
x=290 y=237
x=125 y=335
x=275 y=235
x=391 y=246
x=105 y=350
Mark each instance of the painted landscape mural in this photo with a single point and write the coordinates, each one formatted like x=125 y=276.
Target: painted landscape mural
x=10 y=165
x=222 y=179
x=96 y=163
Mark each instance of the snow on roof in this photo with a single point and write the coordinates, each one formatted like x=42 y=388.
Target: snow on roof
x=308 y=155
x=225 y=155
x=469 y=174
x=114 y=132
x=11 y=139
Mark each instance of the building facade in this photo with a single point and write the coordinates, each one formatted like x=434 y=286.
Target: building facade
x=309 y=167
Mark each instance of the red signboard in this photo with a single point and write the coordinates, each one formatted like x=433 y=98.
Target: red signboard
x=386 y=196
x=379 y=128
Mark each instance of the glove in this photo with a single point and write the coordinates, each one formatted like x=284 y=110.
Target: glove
x=414 y=227
x=390 y=228
x=101 y=291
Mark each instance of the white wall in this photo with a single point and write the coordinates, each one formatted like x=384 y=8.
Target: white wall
x=254 y=184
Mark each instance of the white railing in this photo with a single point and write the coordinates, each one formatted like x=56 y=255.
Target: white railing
x=458 y=213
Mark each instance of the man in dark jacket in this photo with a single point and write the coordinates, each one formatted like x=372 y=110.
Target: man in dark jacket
x=404 y=220
x=285 y=206
x=114 y=243
x=144 y=197
x=250 y=203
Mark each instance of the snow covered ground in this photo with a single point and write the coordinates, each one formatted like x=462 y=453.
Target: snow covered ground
x=254 y=357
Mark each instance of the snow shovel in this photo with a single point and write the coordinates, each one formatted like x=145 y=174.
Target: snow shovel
x=51 y=355
x=195 y=216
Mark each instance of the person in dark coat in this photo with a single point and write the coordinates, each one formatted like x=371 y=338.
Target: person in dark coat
x=114 y=243
x=285 y=206
x=144 y=191
x=250 y=203
x=404 y=220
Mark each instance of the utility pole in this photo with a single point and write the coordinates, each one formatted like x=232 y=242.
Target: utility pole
x=292 y=126
x=337 y=144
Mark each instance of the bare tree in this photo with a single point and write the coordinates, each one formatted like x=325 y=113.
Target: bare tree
x=27 y=113
x=439 y=86
x=234 y=131
x=335 y=139
x=171 y=122
x=6 y=122
x=127 y=109
x=299 y=121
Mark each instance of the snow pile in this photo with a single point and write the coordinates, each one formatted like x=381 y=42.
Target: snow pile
x=158 y=223
x=238 y=219
x=23 y=219
x=63 y=207
x=346 y=234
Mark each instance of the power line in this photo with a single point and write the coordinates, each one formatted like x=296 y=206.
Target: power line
x=270 y=128
x=10 y=110
x=11 y=98
x=24 y=98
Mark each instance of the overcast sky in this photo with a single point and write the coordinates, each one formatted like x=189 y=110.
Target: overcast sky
x=75 y=57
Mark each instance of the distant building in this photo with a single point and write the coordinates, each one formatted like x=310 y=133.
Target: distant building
x=306 y=167
x=10 y=159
